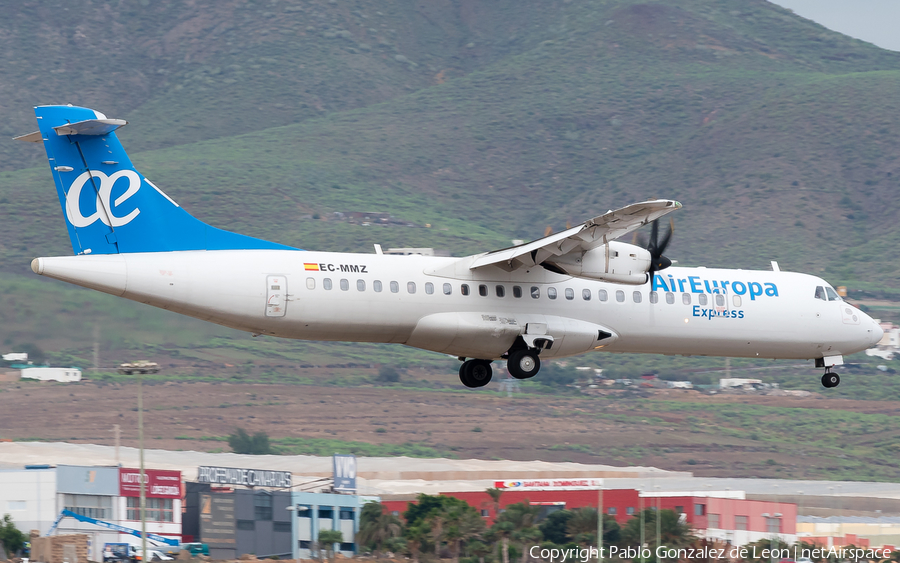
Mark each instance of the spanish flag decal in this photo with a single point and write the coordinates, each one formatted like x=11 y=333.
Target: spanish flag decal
x=310 y=267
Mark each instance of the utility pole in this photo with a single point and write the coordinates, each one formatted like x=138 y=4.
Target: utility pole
x=96 y=348
x=641 y=500
x=143 y=479
x=600 y=524
x=658 y=516
x=117 y=430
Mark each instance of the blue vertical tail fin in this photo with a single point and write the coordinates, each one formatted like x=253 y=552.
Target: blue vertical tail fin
x=109 y=207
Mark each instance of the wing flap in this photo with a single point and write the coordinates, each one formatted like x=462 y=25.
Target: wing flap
x=591 y=234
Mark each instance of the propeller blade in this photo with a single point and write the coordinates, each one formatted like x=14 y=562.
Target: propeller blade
x=668 y=236
x=656 y=247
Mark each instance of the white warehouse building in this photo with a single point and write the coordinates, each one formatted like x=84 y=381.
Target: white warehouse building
x=36 y=496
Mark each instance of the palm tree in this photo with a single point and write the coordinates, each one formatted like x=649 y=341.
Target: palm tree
x=673 y=532
x=376 y=526
x=414 y=536
x=530 y=535
x=479 y=549
x=495 y=495
x=436 y=520
x=328 y=538
x=582 y=526
x=522 y=517
x=503 y=529
x=463 y=524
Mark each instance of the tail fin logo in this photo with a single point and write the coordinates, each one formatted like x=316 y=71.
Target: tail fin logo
x=103 y=208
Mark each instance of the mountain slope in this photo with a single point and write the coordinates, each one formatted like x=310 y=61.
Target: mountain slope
x=496 y=120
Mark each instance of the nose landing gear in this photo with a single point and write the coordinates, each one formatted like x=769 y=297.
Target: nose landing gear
x=830 y=379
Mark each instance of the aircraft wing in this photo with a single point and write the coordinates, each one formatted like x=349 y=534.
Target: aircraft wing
x=590 y=234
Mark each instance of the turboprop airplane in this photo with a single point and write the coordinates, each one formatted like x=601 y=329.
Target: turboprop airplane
x=565 y=294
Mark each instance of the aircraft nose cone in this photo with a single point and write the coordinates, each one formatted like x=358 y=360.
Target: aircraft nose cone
x=877 y=333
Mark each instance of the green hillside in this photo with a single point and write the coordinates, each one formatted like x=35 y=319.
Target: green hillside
x=486 y=121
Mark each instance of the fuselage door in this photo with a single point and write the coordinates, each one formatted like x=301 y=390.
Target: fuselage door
x=276 y=296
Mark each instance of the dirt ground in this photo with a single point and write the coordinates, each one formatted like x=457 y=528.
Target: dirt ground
x=460 y=423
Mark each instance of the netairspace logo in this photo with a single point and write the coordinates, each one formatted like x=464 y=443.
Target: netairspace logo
x=587 y=554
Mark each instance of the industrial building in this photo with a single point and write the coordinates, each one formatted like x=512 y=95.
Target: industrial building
x=326 y=511
x=281 y=510
x=234 y=521
x=714 y=515
x=35 y=497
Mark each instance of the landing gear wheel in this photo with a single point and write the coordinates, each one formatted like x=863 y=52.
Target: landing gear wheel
x=523 y=364
x=475 y=373
x=830 y=380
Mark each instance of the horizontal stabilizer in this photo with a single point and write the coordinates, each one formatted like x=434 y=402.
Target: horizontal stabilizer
x=30 y=138
x=90 y=127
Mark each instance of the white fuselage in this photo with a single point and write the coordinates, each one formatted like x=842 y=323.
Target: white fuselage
x=693 y=311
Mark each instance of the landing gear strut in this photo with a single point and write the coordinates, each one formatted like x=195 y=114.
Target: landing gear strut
x=830 y=379
x=523 y=364
x=475 y=373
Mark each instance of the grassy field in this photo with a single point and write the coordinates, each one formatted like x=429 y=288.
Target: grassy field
x=712 y=435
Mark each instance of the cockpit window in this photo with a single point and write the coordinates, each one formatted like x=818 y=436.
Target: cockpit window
x=832 y=294
x=820 y=293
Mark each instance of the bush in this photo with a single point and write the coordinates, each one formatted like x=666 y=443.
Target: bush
x=388 y=374
x=243 y=443
x=12 y=539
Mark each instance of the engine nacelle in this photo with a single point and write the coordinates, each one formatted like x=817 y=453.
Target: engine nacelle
x=616 y=262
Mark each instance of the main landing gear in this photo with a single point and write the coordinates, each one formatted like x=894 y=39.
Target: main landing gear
x=830 y=379
x=523 y=363
x=475 y=373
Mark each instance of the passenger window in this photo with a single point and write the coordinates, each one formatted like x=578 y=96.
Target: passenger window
x=410 y=287
x=670 y=298
x=326 y=283
x=517 y=291
x=551 y=292
x=620 y=296
x=464 y=289
x=736 y=299
x=720 y=300
x=820 y=293
x=482 y=290
x=832 y=294
x=702 y=298
x=602 y=295
x=448 y=289
x=429 y=288
x=586 y=294
x=501 y=291
x=636 y=296
x=686 y=298
x=654 y=297
x=360 y=285
x=345 y=285
x=535 y=292
x=570 y=293
x=310 y=283
x=395 y=287
x=376 y=285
